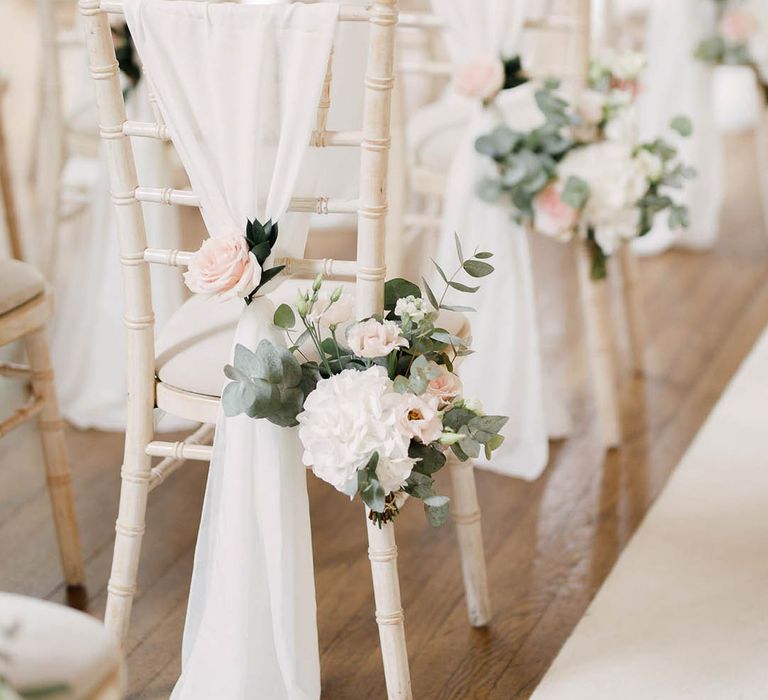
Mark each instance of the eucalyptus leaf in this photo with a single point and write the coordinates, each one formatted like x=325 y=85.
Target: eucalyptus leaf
x=399 y=288
x=477 y=268
x=430 y=458
x=459 y=287
x=436 y=509
x=284 y=317
x=682 y=125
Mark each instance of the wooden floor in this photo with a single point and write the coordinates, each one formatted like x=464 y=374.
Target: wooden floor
x=550 y=544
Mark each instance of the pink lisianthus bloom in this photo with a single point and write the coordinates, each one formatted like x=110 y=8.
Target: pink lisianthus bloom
x=446 y=386
x=374 y=338
x=225 y=267
x=551 y=215
x=481 y=79
x=738 y=25
x=420 y=418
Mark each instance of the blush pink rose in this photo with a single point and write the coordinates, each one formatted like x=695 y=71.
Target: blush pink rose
x=223 y=267
x=551 y=215
x=738 y=25
x=419 y=417
x=374 y=338
x=481 y=79
x=446 y=386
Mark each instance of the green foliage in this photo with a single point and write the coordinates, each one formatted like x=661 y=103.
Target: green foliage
x=268 y=383
x=576 y=192
x=261 y=239
x=526 y=162
x=682 y=125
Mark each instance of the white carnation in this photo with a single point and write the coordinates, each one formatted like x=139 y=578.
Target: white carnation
x=616 y=182
x=345 y=420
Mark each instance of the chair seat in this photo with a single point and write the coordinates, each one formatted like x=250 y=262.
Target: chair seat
x=19 y=283
x=196 y=342
x=52 y=645
x=436 y=130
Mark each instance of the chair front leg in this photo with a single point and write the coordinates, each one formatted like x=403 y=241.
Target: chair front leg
x=466 y=515
x=632 y=308
x=595 y=305
x=56 y=462
x=382 y=551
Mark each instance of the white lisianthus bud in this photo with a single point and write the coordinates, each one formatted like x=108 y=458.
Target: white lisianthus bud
x=317 y=283
x=336 y=295
x=651 y=164
x=301 y=307
x=449 y=439
x=474 y=405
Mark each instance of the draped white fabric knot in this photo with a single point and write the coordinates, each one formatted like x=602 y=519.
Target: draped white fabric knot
x=504 y=331
x=239 y=86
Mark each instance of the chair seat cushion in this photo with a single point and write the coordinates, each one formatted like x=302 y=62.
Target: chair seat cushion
x=436 y=130
x=196 y=342
x=51 y=645
x=19 y=283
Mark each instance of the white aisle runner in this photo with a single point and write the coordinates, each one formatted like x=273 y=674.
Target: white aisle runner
x=684 y=613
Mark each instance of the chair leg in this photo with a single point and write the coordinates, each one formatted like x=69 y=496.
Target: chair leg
x=129 y=533
x=466 y=515
x=761 y=142
x=382 y=551
x=602 y=358
x=632 y=309
x=56 y=462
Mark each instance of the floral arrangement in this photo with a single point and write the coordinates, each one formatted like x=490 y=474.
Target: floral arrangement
x=741 y=37
x=486 y=76
x=582 y=171
x=377 y=402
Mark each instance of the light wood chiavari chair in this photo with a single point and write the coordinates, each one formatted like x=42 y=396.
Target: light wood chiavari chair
x=26 y=305
x=148 y=382
x=426 y=186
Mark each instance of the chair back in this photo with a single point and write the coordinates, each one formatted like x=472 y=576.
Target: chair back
x=129 y=195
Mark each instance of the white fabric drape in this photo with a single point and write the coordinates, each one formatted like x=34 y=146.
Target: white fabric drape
x=239 y=87
x=673 y=32
x=87 y=336
x=506 y=371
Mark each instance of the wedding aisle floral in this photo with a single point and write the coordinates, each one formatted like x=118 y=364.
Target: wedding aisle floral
x=583 y=171
x=377 y=402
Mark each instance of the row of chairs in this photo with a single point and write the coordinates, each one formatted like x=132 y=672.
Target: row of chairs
x=149 y=390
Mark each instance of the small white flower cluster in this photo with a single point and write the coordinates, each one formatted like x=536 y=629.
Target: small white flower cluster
x=414 y=308
x=352 y=415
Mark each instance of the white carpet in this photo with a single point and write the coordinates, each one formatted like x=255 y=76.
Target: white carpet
x=684 y=613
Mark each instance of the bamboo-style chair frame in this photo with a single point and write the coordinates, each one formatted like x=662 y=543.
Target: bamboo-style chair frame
x=145 y=391
x=26 y=323
x=57 y=200
x=430 y=185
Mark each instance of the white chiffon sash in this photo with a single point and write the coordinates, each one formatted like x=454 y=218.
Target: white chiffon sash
x=674 y=30
x=506 y=371
x=239 y=87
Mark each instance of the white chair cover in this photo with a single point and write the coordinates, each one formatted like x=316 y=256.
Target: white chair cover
x=239 y=87
x=506 y=372
x=676 y=82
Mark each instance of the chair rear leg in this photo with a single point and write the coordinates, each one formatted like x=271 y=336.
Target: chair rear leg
x=382 y=551
x=466 y=515
x=56 y=462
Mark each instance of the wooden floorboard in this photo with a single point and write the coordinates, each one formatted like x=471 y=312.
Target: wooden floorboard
x=550 y=543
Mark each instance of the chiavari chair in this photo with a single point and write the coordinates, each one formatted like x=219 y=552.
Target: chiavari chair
x=182 y=373
x=26 y=305
x=425 y=183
